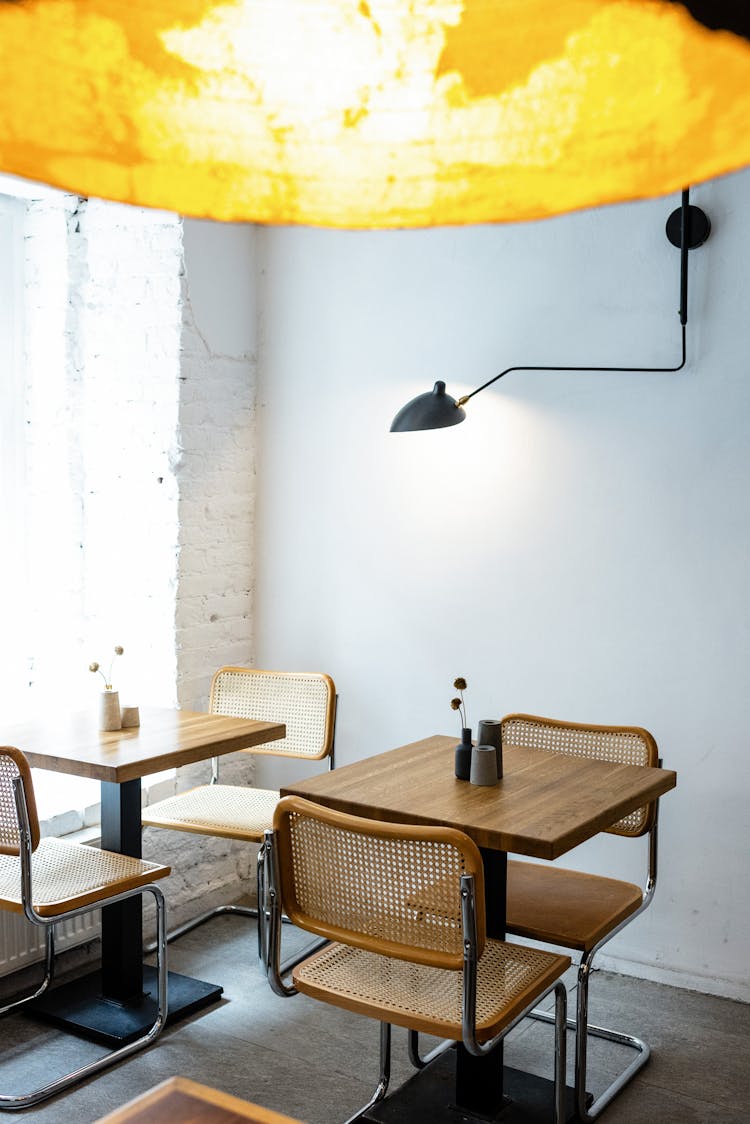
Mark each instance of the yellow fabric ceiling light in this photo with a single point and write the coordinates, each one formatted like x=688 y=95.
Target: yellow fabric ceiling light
x=369 y=113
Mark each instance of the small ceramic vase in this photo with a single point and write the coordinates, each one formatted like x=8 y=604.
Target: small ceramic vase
x=483 y=765
x=463 y=755
x=109 y=711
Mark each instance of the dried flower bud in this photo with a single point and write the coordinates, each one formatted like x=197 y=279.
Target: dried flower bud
x=460 y=684
x=455 y=704
x=93 y=667
x=119 y=649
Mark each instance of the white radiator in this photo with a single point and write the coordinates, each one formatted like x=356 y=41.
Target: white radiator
x=22 y=943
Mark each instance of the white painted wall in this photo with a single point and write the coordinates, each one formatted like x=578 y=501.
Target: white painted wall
x=578 y=548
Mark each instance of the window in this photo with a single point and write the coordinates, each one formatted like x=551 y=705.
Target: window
x=13 y=668
x=90 y=343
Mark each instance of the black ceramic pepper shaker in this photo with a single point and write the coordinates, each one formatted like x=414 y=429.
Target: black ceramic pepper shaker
x=490 y=732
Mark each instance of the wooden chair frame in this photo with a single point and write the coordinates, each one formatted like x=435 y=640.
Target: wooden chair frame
x=28 y=839
x=589 y=1109
x=277 y=873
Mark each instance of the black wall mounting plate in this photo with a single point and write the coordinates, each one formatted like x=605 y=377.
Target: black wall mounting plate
x=698 y=227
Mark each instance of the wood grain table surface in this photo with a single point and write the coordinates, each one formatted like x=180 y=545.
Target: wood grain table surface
x=165 y=739
x=116 y=1005
x=182 y=1101
x=545 y=804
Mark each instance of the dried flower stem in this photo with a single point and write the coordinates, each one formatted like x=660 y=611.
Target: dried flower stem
x=107 y=678
x=460 y=703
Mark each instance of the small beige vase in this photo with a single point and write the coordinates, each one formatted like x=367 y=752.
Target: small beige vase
x=109 y=711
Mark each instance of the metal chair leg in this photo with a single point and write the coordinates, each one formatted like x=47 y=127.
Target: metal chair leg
x=261 y=892
x=217 y=911
x=588 y=1110
x=385 y=1073
x=224 y=911
x=561 y=1020
x=25 y=1100
x=49 y=963
x=583 y=1030
x=416 y=1058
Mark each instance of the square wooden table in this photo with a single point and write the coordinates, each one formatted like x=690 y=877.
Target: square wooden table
x=117 y=1005
x=545 y=804
x=178 y=1100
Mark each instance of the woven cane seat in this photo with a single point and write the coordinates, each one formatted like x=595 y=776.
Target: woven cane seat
x=428 y=999
x=65 y=876
x=216 y=809
x=567 y=907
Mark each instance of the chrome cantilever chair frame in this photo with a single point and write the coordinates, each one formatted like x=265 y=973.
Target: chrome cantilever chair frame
x=25 y=1100
x=244 y=910
x=588 y=1107
x=275 y=973
x=233 y=909
x=581 y=1024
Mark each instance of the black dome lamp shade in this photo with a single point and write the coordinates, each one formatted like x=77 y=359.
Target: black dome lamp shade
x=433 y=410
x=687 y=228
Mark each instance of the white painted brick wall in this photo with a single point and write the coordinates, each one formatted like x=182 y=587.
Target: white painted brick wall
x=142 y=477
x=215 y=472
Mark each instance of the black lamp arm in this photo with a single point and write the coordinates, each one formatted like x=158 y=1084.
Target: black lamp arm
x=685 y=243
x=507 y=371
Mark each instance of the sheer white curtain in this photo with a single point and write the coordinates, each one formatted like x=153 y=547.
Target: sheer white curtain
x=14 y=655
x=90 y=367
x=40 y=560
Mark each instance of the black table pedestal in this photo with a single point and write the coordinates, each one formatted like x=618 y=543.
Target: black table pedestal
x=428 y=1097
x=117 y=1004
x=80 y=1006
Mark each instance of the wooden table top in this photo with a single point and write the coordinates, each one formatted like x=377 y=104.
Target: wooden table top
x=546 y=803
x=165 y=739
x=181 y=1101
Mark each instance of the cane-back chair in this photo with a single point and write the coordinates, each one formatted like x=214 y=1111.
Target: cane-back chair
x=51 y=880
x=577 y=910
x=353 y=882
x=306 y=703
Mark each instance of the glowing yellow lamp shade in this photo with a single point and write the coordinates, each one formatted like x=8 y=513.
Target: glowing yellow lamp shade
x=369 y=113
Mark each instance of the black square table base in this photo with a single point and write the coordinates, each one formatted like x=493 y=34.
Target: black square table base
x=428 y=1097
x=80 y=1007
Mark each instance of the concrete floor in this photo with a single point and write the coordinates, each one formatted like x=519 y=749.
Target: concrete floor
x=317 y=1063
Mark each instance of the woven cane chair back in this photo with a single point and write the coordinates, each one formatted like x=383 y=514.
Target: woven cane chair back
x=304 y=701
x=13 y=764
x=356 y=881
x=621 y=745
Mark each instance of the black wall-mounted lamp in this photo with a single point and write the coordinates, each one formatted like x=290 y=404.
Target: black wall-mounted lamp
x=687 y=228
